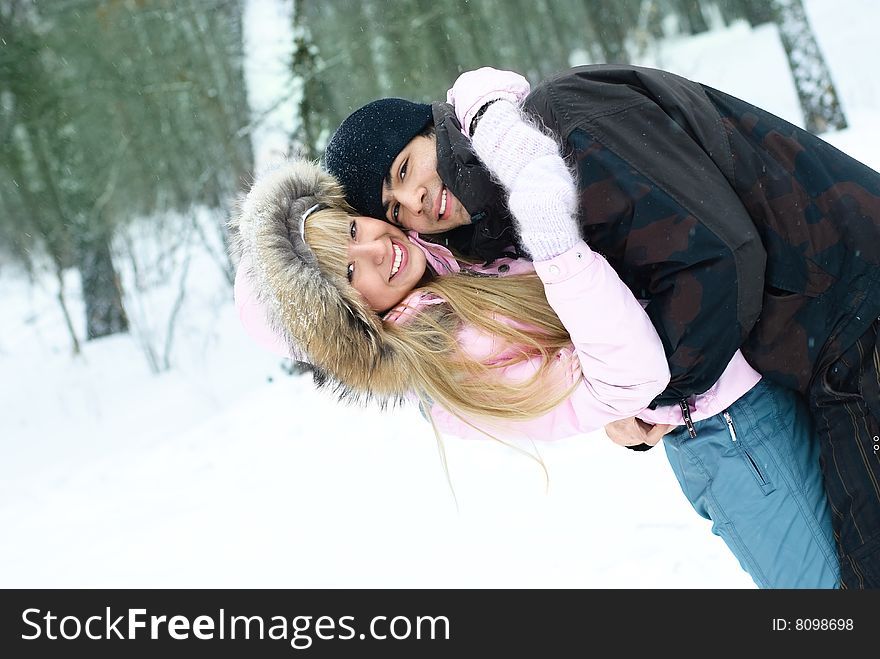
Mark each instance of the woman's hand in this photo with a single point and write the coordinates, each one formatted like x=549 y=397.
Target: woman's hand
x=633 y=431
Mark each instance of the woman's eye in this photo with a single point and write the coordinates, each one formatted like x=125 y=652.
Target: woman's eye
x=403 y=169
x=352 y=230
x=349 y=272
x=395 y=213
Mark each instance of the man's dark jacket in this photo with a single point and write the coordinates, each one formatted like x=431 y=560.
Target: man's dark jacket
x=741 y=229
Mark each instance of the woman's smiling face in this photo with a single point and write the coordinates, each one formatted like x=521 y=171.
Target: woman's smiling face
x=383 y=265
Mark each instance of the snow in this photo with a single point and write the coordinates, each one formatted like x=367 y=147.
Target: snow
x=224 y=471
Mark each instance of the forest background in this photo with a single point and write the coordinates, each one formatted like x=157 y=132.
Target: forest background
x=115 y=110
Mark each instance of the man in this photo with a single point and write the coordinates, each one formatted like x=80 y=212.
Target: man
x=740 y=229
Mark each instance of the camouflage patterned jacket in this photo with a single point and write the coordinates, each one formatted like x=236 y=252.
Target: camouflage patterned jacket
x=740 y=228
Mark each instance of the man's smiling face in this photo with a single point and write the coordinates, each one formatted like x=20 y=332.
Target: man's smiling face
x=413 y=195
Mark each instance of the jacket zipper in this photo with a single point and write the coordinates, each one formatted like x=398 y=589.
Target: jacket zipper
x=730 y=427
x=686 y=415
x=732 y=430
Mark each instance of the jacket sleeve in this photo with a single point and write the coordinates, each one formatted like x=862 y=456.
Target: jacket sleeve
x=622 y=360
x=653 y=163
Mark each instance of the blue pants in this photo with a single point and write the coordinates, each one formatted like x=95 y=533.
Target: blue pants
x=754 y=472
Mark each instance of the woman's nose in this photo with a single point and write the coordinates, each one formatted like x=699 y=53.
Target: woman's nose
x=374 y=250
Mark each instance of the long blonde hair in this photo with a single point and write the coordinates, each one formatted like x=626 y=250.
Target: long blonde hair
x=428 y=345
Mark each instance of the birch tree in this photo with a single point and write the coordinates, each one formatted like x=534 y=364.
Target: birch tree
x=812 y=78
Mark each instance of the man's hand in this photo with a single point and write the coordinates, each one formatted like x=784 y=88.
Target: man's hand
x=633 y=431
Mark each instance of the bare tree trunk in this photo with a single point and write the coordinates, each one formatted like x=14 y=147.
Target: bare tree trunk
x=102 y=292
x=101 y=289
x=59 y=274
x=756 y=12
x=175 y=310
x=691 y=14
x=610 y=31
x=381 y=50
x=303 y=69
x=812 y=79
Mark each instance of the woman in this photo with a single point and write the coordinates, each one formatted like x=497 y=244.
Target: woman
x=554 y=352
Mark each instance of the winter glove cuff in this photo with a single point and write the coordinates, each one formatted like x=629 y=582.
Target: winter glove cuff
x=474 y=89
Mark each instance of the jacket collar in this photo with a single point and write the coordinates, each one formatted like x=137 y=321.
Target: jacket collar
x=489 y=233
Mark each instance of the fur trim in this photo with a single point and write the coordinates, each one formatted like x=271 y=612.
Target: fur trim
x=322 y=318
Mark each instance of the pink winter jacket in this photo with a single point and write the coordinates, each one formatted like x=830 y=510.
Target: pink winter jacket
x=622 y=362
x=621 y=357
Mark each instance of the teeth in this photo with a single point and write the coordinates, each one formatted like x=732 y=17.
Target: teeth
x=398 y=257
x=443 y=202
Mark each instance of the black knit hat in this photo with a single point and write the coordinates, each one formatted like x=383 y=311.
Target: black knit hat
x=362 y=149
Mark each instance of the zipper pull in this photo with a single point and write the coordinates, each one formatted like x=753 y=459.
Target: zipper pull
x=686 y=415
x=727 y=418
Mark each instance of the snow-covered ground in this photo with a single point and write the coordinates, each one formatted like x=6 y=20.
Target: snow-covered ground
x=227 y=472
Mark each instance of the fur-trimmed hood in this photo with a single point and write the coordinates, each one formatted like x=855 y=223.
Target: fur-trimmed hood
x=321 y=318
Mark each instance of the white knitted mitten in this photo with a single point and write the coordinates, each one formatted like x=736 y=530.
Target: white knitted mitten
x=542 y=192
